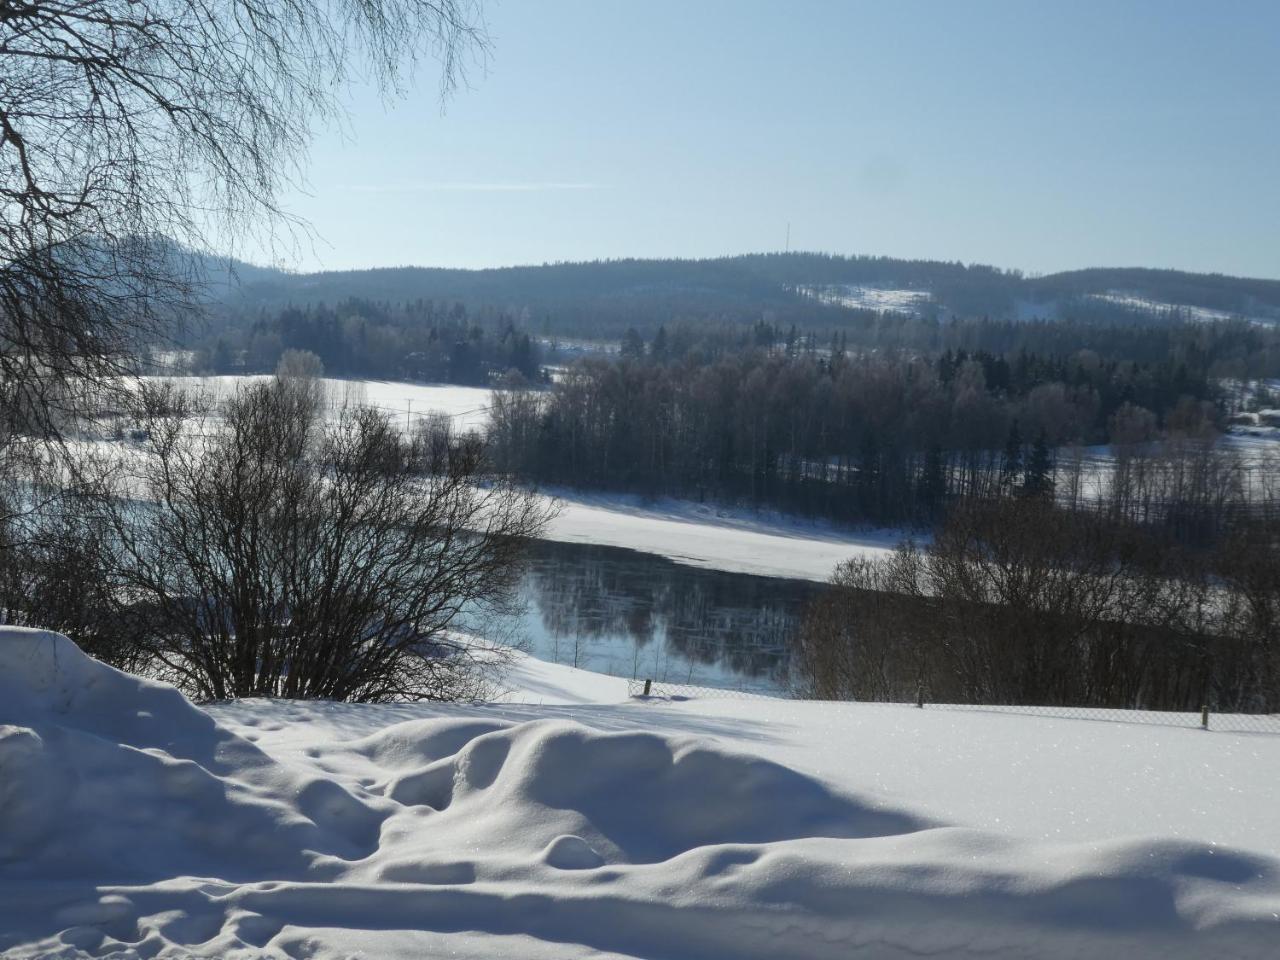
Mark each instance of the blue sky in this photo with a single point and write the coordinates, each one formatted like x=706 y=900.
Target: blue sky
x=1039 y=135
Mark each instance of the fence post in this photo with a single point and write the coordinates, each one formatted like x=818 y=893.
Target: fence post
x=647 y=684
x=1204 y=717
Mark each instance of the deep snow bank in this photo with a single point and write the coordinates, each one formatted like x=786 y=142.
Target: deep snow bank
x=131 y=824
x=113 y=778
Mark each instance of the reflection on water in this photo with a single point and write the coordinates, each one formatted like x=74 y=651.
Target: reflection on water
x=639 y=615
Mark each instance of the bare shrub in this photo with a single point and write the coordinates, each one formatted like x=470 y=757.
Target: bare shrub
x=281 y=554
x=1018 y=601
x=56 y=557
x=862 y=639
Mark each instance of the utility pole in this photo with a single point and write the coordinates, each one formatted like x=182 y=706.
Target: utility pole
x=407 y=411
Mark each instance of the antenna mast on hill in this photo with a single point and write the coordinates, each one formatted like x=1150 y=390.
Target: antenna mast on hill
x=788 y=247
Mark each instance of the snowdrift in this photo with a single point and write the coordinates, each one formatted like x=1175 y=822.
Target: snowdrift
x=133 y=825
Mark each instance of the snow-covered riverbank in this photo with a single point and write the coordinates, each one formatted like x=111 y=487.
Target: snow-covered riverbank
x=737 y=541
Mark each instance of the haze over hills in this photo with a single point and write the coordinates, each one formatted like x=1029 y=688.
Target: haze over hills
x=802 y=288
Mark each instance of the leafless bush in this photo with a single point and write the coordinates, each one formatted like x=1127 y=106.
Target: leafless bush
x=134 y=138
x=1249 y=564
x=56 y=556
x=1019 y=601
x=862 y=640
x=277 y=553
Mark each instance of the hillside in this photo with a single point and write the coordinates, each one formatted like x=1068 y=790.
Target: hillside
x=806 y=289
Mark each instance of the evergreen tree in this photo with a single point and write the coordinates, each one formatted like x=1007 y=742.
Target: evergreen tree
x=868 y=481
x=1011 y=463
x=221 y=360
x=632 y=345
x=658 y=349
x=932 y=486
x=1038 y=481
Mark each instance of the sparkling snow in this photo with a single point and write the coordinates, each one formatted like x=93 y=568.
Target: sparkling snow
x=135 y=824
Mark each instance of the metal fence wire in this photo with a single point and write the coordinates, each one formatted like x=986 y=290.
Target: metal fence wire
x=1264 y=723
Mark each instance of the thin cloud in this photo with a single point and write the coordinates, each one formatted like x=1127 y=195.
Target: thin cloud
x=466 y=187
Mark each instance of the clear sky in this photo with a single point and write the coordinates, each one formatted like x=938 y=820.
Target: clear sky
x=1034 y=134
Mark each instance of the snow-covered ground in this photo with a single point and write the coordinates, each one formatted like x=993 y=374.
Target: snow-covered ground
x=575 y=825
x=738 y=541
x=1256 y=449
x=865 y=296
x=1177 y=310
x=468 y=407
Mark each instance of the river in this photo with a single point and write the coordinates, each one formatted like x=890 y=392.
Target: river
x=633 y=614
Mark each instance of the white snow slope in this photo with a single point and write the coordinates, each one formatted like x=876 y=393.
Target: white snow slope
x=702 y=535
x=133 y=824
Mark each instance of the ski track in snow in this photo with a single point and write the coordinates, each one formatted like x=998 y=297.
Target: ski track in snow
x=135 y=824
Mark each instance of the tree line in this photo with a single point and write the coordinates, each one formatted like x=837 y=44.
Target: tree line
x=450 y=341
x=887 y=438
x=422 y=340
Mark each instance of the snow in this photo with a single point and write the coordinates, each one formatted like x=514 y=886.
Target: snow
x=1255 y=448
x=134 y=824
x=533 y=681
x=720 y=538
x=1177 y=310
x=468 y=407
x=870 y=297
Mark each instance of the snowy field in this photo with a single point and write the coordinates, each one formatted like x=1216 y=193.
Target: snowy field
x=858 y=296
x=567 y=823
x=468 y=407
x=1257 y=451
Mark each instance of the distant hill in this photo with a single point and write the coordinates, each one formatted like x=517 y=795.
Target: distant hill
x=807 y=289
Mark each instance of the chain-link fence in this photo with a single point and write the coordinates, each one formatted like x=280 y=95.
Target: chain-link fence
x=653 y=690
x=656 y=690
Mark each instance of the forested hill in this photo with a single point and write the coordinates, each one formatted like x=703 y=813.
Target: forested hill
x=807 y=289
